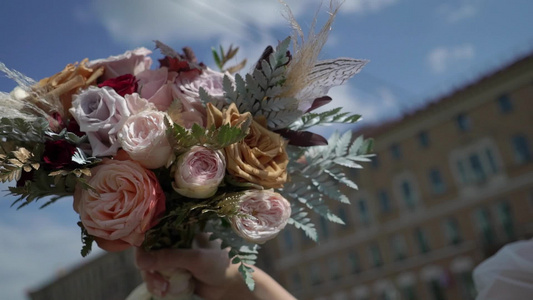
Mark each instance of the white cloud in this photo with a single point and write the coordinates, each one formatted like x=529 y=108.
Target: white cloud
x=136 y=22
x=139 y=21
x=374 y=106
x=36 y=246
x=441 y=58
x=364 y=6
x=464 y=10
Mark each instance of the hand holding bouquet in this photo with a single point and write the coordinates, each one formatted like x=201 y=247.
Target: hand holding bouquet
x=153 y=157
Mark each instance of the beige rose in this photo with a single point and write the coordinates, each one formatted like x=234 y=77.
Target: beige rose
x=67 y=82
x=261 y=157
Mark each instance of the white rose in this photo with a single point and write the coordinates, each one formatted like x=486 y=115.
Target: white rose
x=143 y=137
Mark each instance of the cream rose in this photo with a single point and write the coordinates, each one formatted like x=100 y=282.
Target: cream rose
x=199 y=172
x=127 y=200
x=143 y=137
x=266 y=214
x=261 y=157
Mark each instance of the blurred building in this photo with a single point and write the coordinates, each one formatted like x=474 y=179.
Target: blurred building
x=111 y=276
x=451 y=183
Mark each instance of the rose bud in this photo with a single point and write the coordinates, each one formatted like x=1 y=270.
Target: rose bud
x=265 y=214
x=144 y=138
x=199 y=172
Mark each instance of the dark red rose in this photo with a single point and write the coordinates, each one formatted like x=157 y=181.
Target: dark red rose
x=58 y=154
x=123 y=85
x=25 y=176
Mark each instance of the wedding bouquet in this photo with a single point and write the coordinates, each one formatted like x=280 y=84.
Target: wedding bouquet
x=154 y=156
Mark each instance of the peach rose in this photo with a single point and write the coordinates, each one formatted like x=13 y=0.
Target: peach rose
x=66 y=83
x=261 y=157
x=127 y=201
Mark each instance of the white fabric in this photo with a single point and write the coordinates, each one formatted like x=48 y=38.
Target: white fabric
x=508 y=274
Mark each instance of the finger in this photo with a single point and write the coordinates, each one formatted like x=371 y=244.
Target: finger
x=202 y=240
x=155 y=283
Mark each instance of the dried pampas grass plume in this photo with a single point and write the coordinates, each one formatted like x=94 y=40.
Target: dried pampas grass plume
x=305 y=52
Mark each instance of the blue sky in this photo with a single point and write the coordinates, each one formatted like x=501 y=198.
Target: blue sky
x=418 y=50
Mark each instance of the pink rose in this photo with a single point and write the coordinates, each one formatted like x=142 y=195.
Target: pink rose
x=211 y=81
x=144 y=138
x=192 y=109
x=131 y=62
x=155 y=86
x=100 y=113
x=127 y=200
x=267 y=213
x=199 y=172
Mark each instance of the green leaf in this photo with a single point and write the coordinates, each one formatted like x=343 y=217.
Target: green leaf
x=300 y=220
x=246 y=273
x=87 y=241
x=22 y=130
x=332 y=116
x=213 y=138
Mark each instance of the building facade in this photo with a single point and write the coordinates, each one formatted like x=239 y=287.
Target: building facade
x=451 y=183
x=111 y=276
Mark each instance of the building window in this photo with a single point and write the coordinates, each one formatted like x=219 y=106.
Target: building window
x=364 y=213
x=315 y=274
x=484 y=226
x=408 y=194
x=422 y=240
x=396 y=151
x=462 y=172
x=467 y=286
x=408 y=292
x=375 y=255
x=477 y=168
x=375 y=162
x=324 y=227
x=384 y=201
x=522 y=152
x=296 y=280
x=423 y=139
x=406 y=189
x=354 y=262
x=288 y=241
x=463 y=122
x=452 y=231
x=437 y=184
x=492 y=162
x=437 y=290
x=344 y=217
x=399 y=247
x=505 y=217
x=505 y=104
x=334 y=268
x=476 y=163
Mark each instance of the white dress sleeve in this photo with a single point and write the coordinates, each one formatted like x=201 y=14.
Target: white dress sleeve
x=508 y=274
